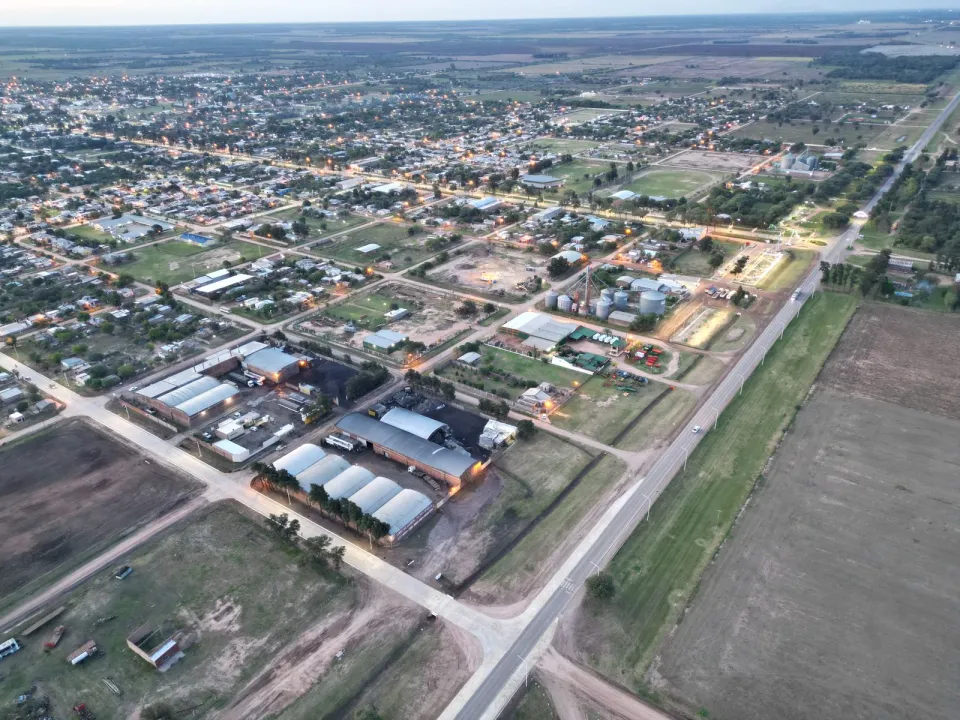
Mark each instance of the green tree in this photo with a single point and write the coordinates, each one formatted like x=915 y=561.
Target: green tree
x=601 y=586
x=526 y=429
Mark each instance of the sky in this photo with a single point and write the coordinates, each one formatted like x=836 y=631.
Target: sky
x=176 y=12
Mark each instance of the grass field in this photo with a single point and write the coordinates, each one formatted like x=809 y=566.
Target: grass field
x=788 y=273
x=670 y=183
x=659 y=424
x=207 y=578
x=533 y=371
x=319 y=228
x=522 y=96
x=175 y=261
x=403 y=249
x=694 y=262
x=563 y=145
x=602 y=412
x=660 y=564
x=803 y=132
x=516 y=571
x=573 y=174
x=879 y=240
x=365 y=310
x=535 y=704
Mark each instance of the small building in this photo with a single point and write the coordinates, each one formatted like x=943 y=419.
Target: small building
x=10 y=395
x=160 y=655
x=571 y=256
x=901 y=264
x=384 y=341
x=273 y=364
x=394 y=315
x=497 y=434
x=484 y=205
x=471 y=358
x=216 y=287
x=231 y=451
x=368 y=248
x=541 y=182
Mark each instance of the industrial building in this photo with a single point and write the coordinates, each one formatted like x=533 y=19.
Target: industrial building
x=419 y=425
x=384 y=341
x=347 y=483
x=299 y=459
x=409 y=449
x=375 y=494
x=404 y=512
x=541 y=182
x=273 y=364
x=188 y=398
x=538 y=330
x=322 y=472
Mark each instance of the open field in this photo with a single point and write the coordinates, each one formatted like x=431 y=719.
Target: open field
x=659 y=425
x=584 y=115
x=205 y=580
x=396 y=246
x=521 y=96
x=837 y=595
x=573 y=174
x=694 y=262
x=603 y=412
x=563 y=145
x=886 y=341
x=175 y=261
x=661 y=563
x=531 y=372
x=703 y=327
x=593 y=64
x=800 y=131
x=534 y=704
x=735 y=337
x=319 y=228
x=714 y=162
x=670 y=183
x=896 y=135
x=490 y=270
x=70 y=491
x=523 y=569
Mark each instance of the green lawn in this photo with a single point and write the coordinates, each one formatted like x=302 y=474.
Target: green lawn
x=573 y=174
x=535 y=704
x=803 y=132
x=661 y=422
x=659 y=566
x=563 y=145
x=319 y=228
x=175 y=261
x=532 y=372
x=513 y=572
x=206 y=578
x=602 y=412
x=365 y=310
x=789 y=271
x=670 y=183
x=874 y=239
x=522 y=96
x=694 y=262
x=403 y=249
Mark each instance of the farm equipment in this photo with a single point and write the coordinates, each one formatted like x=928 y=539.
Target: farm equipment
x=54 y=638
x=81 y=710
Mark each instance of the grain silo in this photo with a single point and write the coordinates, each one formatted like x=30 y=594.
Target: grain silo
x=607 y=294
x=551 y=300
x=604 y=306
x=565 y=303
x=621 y=299
x=653 y=303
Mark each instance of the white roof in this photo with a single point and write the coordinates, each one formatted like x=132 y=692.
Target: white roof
x=170 y=383
x=623 y=195
x=413 y=423
x=182 y=394
x=348 y=482
x=571 y=256
x=219 y=285
x=320 y=473
x=369 y=248
x=237 y=453
x=206 y=400
x=402 y=509
x=299 y=459
x=540 y=325
x=375 y=494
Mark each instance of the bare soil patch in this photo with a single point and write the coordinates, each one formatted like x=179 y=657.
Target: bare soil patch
x=71 y=490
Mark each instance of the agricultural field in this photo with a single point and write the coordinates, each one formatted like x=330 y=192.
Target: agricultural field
x=670 y=183
x=398 y=248
x=175 y=261
x=492 y=271
x=799 y=131
x=867 y=482
x=203 y=583
x=602 y=412
x=694 y=262
x=68 y=492
x=593 y=64
x=660 y=564
x=528 y=371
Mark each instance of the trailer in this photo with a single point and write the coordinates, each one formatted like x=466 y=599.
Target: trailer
x=342 y=442
x=54 y=638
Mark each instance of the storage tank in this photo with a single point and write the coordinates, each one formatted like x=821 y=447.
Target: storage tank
x=607 y=294
x=551 y=300
x=604 y=306
x=653 y=302
x=575 y=308
x=620 y=299
x=565 y=303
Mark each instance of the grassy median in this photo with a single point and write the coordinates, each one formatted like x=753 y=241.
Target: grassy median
x=659 y=566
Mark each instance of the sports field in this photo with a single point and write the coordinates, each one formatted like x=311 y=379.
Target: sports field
x=670 y=183
x=174 y=262
x=660 y=564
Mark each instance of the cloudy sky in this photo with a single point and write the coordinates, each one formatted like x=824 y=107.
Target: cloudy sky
x=149 y=12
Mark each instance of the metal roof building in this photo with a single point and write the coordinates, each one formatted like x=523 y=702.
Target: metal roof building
x=189 y=391
x=169 y=384
x=224 y=284
x=322 y=472
x=375 y=494
x=348 y=482
x=299 y=459
x=404 y=512
x=207 y=400
x=273 y=363
x=415 y=423
x=405 y=447
x=539 y=325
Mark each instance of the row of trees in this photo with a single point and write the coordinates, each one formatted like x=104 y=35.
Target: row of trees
x=432 y=383
x=316 y=550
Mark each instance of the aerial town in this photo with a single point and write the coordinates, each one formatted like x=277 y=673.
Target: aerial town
x=595 y=369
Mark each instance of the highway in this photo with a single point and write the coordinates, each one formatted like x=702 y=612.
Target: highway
x=488 y=696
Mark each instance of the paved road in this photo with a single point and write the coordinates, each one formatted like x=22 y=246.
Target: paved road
x=488 y=696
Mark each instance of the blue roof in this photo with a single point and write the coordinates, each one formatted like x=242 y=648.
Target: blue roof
x=196 y=239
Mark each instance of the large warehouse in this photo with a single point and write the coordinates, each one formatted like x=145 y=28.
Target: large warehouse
x=410 y=449
x=402 y=509
x=419 y=425
x=538 y=330
x=273 y=364
x=188 y=398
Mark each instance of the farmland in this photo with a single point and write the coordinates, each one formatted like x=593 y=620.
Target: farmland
x=858 y=504
x=174 y=262
x=661 y=562
x=69 y=492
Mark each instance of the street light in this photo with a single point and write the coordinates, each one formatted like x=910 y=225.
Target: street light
x=526 y=674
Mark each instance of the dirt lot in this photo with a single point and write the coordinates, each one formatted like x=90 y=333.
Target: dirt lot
x=900 y=355
x=713 y=161
x=70 y=491
x=837 y=596
x=488 y=269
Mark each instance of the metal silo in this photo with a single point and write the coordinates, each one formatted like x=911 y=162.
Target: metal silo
x=551 y=300
x=607 y=294
x=653 y=302
x=604 y=306
x=565 y=303
x=620 y=299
